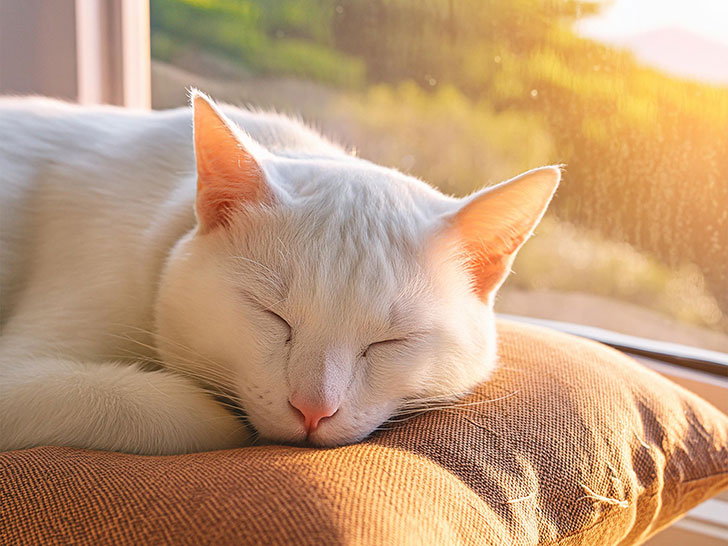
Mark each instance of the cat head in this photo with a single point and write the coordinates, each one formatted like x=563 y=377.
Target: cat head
x=324 y=294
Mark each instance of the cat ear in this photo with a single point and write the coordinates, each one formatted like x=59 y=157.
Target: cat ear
x=495 y=222
x=227 y=173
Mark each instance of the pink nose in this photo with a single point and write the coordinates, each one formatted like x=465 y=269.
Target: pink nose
x=312 y=414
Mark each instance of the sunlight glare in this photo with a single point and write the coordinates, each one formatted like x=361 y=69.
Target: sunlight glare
x=624 y=18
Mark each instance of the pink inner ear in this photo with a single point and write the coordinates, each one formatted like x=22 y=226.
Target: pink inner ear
x=494 y=224
x=489 y=240
x=218 y=199
x=486 y=269
x=227 y=174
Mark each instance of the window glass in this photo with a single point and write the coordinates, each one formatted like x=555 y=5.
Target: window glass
x=631 y=96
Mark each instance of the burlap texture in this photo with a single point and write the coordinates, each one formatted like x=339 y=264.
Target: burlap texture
x=569 y=443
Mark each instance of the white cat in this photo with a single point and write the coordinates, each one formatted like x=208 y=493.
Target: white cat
x=141 y=276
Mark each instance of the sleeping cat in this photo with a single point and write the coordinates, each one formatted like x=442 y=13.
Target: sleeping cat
x=160 y=269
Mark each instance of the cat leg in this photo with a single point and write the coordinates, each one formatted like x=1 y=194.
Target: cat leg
x=110 y=406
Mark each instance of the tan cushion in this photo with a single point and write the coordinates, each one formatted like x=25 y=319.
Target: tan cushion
x=570 y=443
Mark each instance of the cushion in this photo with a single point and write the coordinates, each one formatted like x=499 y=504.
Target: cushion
x=571 y=442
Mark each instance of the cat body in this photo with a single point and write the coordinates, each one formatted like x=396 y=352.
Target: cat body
x=157 y=268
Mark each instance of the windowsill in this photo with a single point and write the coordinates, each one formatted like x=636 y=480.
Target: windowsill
x=713 y=363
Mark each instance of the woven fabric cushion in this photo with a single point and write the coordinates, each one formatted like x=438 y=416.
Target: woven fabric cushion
x=569 y=443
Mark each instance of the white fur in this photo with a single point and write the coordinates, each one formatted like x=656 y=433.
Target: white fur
x=118 y=319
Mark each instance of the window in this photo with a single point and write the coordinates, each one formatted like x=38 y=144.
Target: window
x=468 y=93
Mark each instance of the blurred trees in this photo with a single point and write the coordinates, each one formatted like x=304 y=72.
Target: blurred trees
x=269 y=36
x=646 y=153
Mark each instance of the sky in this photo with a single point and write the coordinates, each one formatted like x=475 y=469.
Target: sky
x=620 y=18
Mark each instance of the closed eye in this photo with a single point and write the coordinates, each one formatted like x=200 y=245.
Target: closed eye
x=383 y=343
x=283 y=322
x=255 y=302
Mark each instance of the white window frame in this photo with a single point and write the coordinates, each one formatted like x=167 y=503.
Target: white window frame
x=110 y=38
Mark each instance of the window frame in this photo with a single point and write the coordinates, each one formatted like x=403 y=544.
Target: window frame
x=694 y=358
x=89 y=51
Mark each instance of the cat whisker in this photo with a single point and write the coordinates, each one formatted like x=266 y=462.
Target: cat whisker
x=280 y=252
x=211 y=371
x=201 y=381
x=405 y=412
x=166 y=339
x=220 y=384
x=274 y=305
x=274 y=275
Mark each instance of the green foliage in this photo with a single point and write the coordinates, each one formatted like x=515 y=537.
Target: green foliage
x=443 y=136
x=647 y=154
x=446 y=40
x=274 y=37
x=565 y=258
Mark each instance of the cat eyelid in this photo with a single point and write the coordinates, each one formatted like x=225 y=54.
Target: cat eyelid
x=384 y=342
x=393 y=340
x=410 y=337
x=254 y=301
x=284 y=321
x=276 y=315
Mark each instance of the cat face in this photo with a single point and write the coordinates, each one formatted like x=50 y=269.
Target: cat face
x=322 y=295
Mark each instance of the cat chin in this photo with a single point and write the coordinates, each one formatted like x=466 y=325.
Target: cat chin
x=313 y=440
x=317 y=439
x=341 y=430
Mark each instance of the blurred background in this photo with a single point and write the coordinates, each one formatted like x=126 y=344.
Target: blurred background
x=631 y=95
